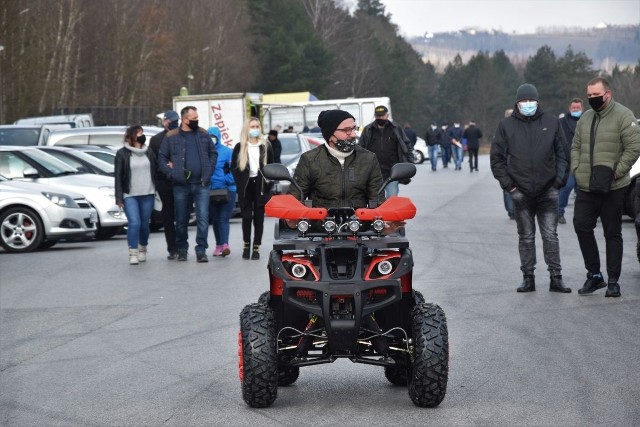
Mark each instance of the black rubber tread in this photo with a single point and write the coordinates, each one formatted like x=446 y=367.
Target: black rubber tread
x=264 y=298
x=288 y=375
x=259 y=356
x=429 y=371
x=418 y=297
x=33 y=218
x=396 y=376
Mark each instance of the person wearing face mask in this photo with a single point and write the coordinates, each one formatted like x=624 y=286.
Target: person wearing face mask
x=529 y=159
x=248 y=158
x=389 y=143
x=568 y=125
x=187 y=157
x=605 y=147
x=222 y=179
x=433 y=139
x=455 y=136
x=339 y=173
x=170 y=121
x=135 y=174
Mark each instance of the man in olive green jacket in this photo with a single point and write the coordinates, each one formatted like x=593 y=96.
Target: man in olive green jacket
x=605 y=146
x=339 y=173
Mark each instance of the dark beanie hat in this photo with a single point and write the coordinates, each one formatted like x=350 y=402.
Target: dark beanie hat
x=527 y=91
x=273 y=132
x=329 y=120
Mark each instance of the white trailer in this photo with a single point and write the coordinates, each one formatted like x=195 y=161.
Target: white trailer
x=301 y=114
x=228 y=111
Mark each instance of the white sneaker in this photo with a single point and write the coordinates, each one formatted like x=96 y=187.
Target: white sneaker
x=142 y=253
x=133 y=256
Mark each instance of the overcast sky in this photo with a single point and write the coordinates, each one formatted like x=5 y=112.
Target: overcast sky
x=417 y=17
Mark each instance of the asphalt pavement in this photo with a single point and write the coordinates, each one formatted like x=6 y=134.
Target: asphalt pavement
x=87 y=340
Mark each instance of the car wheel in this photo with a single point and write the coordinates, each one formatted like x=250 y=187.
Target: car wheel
x=418 y=157
x=21 y=230
x=429 y=370
x=258 y=364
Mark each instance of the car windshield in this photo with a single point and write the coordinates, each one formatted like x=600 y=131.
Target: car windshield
x=53 y=165
x=104 y=156
x=76 y=158
x=290 y=144
x=19 y=136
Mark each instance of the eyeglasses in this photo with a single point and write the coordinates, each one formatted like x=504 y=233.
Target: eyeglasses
x=349 y=130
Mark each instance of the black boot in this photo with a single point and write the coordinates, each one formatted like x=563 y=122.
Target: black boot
x=638 y=250
x=556 y=285
x=528 y=284
x=613 y=289
x=246 y=250
x=256 y=252
x=592 y=284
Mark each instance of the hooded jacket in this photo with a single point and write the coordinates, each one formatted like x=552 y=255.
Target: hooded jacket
x=534 y=150
x=616 y=145
x=329 y=184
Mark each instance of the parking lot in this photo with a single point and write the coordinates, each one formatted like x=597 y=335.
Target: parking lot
x=86 y=339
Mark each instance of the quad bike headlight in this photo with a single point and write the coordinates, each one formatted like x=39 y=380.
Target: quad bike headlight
x=354 y=226
x=303 y=226
x=330 y=226
x=378 y=225
x=298 y=271
x=385 y=267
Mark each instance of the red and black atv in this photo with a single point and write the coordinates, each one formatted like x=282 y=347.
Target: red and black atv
x=341 y=289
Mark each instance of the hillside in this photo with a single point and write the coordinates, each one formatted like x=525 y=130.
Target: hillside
x=606 y=46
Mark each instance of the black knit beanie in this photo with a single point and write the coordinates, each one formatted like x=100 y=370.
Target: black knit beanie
x=527 y=91
x=329 y=120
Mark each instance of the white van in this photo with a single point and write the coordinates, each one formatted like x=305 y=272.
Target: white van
x=97 y=135
x=73 y=120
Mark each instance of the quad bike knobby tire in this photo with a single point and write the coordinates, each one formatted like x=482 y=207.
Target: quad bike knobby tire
x=286 y=375
x=429 y=371
x=258 y=356
x=398 y=376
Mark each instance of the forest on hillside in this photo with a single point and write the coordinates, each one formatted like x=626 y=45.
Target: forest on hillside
x=135 y=55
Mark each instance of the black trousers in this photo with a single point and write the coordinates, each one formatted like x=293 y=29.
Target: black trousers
x=608 y=207
x=165 y=191
x=473 y=158
x=252 y=212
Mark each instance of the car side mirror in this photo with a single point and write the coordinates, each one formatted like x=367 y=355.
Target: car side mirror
x=30 y=173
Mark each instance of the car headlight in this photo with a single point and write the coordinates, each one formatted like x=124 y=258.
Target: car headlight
x=60 y=199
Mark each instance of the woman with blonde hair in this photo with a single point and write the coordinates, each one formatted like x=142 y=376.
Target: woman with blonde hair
x=248 y=158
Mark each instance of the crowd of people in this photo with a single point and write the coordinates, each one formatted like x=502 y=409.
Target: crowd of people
x=537 y=158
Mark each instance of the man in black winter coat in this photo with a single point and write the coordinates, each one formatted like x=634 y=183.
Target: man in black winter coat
x=390 y=145
x=532 y=144
x=164 y=187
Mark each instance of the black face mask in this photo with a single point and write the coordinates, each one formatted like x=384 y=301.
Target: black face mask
x=193 y=125
x=596 y=102
x=381 y=122
x=141 y=139
x=346 y=145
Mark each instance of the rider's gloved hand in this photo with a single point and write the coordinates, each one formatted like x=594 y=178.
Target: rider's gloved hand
x=391 y=227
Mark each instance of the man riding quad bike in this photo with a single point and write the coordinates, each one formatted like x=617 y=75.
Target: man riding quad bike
x=341 y=287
